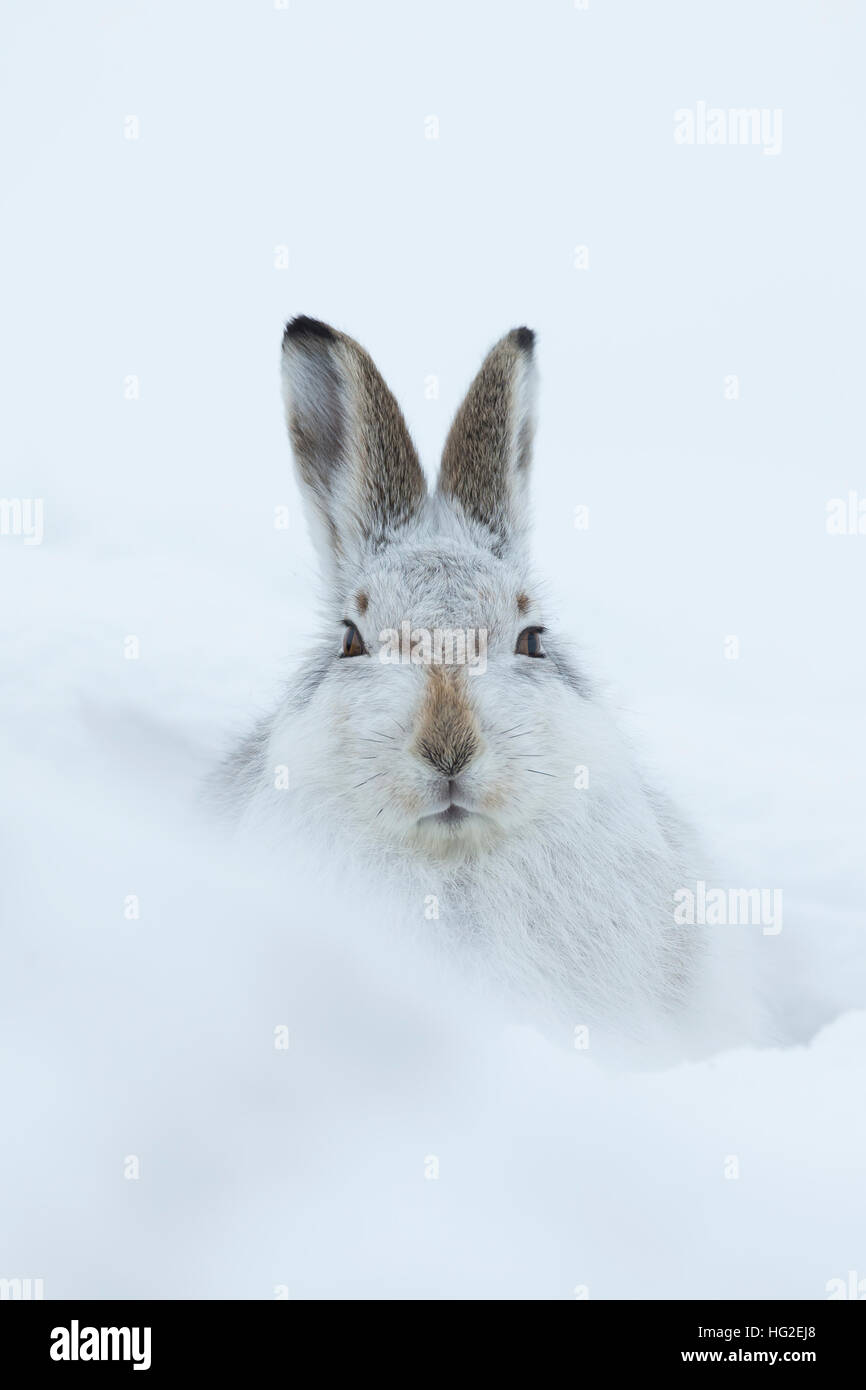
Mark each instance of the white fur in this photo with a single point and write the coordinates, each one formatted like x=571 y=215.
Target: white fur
x=565 y=894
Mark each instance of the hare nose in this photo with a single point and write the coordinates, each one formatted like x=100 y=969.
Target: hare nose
x=449 y=759
x=448 y=734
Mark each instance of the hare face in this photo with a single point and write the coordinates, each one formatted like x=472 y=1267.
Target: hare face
x=443 y=715
x=439 y=715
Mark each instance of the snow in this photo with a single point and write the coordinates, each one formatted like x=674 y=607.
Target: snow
x=308 y=1170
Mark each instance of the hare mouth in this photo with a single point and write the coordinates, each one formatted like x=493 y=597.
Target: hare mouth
x=452 y=815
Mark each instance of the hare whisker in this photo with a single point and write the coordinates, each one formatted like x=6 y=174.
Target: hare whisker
x=366 y=780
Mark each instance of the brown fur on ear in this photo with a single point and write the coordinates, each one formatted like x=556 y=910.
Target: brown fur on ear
x=355 y=458
x=485 y=464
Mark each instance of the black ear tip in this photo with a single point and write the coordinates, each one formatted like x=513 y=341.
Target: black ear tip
x=524 y=338
x=303 y=327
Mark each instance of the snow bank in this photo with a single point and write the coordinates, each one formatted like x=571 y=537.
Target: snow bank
x=408 y=1141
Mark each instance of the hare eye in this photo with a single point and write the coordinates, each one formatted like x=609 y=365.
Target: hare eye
x=353 y=644
x=529 y=642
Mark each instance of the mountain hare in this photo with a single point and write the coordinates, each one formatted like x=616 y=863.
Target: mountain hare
x=433 y=737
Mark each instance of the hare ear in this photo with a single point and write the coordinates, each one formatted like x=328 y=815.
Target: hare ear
x=357 y=466
x=485 y=464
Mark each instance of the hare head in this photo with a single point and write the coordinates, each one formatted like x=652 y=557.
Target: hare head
x=439 y=713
